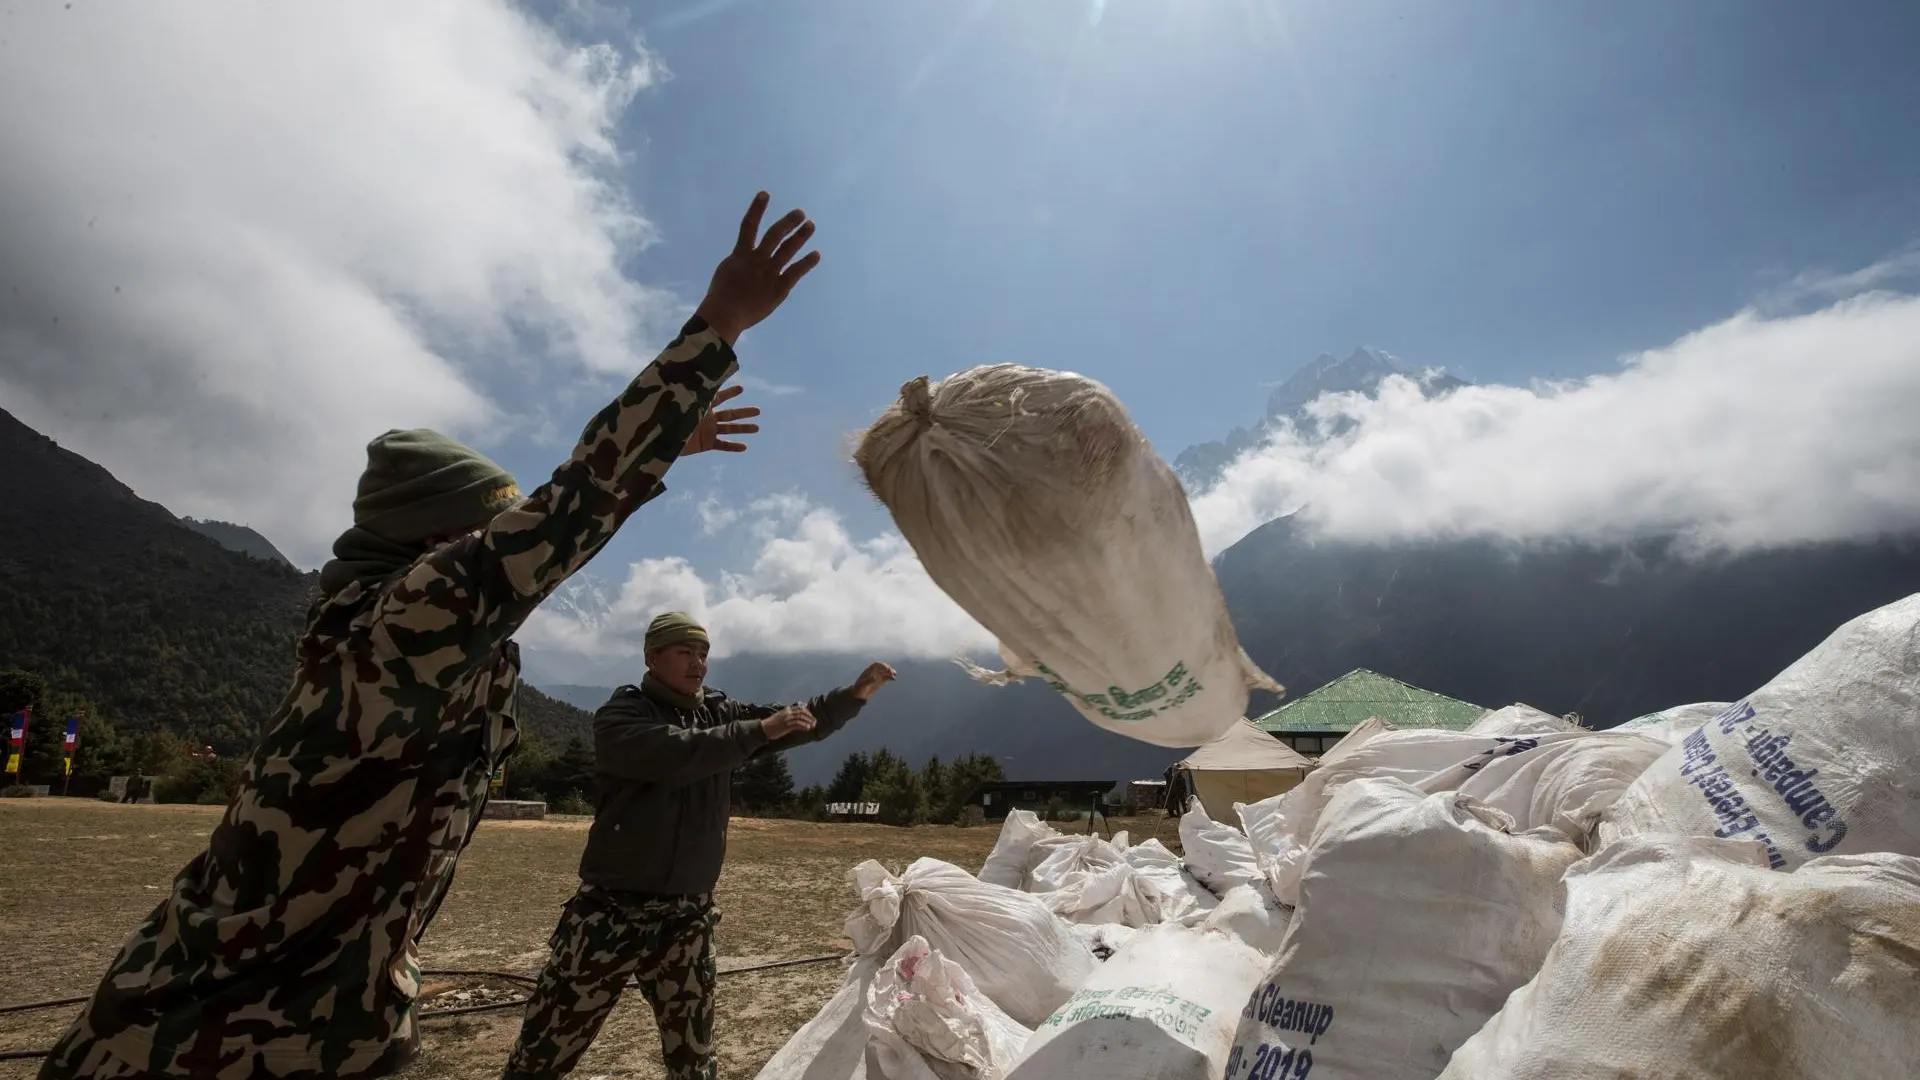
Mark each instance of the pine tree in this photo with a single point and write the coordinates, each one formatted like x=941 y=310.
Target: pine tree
x=529 y=767
x=570 y=781
x=965 y=777
x=934 y=779
x=851 y=779
x=102 y=752
x=158 y=752
x=765 y=784
x=811 y=802
x=897 y=788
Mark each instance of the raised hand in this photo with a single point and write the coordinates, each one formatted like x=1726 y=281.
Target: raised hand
x=755 y=278
x=871 y=680
x=718 y=422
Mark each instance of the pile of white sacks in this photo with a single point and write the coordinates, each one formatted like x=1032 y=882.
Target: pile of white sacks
x=1715 y=892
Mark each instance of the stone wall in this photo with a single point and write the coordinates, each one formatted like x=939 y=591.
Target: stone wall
x=117 y=789
x=516 y=809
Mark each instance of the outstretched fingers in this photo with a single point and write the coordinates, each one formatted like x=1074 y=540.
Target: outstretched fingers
x=755 y=279
x=750 y=224
x=780 y=231
x=791 y=246
x=792 y=274
x=740 y=412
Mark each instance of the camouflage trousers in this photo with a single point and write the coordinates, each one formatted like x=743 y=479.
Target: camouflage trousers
x=80 y=1056
x=605 y=938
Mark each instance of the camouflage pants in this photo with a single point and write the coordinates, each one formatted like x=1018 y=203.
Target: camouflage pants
x=80 y=1056
x=664 y=943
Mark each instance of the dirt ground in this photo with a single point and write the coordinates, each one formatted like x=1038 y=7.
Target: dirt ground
x=78 y=875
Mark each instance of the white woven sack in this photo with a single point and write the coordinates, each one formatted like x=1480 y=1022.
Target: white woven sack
x=1151 y=853
x=1565 y=780
x=1249 y=914
x=1063 y=861
x=1020 y=954
x=1672 y=725
x=1686 y=958
x=1163 y=1006
x=1034 y=502
x=1106 y=895
x=1520 y=720
x=926 y=1020
x=1823 y=760
x=1217 y=854
x=1012 y=853
x=1167 y=891
x=1419 y=914
x=1104 y=939
x=832 y=1045
x=1373 y=750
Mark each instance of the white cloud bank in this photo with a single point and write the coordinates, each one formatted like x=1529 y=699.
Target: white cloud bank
x=1756 y=432
x=811 y=588
x=240 y=240
x=1752 y=433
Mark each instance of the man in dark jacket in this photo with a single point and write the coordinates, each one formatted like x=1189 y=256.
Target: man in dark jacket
x=664 y=755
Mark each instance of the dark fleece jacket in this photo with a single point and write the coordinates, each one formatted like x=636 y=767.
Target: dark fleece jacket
x=665 y=774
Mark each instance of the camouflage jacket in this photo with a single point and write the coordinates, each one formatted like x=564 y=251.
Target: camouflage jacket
x=287 y=947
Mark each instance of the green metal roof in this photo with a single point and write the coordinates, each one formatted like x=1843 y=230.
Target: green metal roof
x=1353 y=698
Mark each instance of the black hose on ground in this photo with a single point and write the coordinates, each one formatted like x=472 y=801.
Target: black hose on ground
x=425 y=1014
x=450 y=973
x=462 y=1010
x=32 y=1005
x=771 y=964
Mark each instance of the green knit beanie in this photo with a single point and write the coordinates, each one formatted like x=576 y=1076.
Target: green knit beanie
x=419 y=484
x=673 y=628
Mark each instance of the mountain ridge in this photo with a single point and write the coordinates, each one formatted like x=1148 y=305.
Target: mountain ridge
x=240 y=538
x=1362 y=371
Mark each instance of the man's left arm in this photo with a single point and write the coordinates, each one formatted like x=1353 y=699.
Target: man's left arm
x=831 y=710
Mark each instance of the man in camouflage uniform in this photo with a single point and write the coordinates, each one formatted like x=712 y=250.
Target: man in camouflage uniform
x=287 y=948
x=664 y=756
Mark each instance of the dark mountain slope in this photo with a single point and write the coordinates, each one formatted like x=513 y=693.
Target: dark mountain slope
x=1609 y=632
x=111 y=597
x=238 y=538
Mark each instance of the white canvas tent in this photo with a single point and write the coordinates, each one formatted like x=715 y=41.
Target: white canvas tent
x=1244 y=765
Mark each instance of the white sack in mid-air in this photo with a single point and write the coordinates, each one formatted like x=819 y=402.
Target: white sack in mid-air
x=1034 y=502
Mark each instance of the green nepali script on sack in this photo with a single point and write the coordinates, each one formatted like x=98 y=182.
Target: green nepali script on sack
x=1115 y=699
x=1169 y=1012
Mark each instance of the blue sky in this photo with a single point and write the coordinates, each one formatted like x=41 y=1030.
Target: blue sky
x=408 y=214
x=1186 y=200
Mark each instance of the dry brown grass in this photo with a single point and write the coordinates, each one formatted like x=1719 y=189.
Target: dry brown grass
x=79 y=875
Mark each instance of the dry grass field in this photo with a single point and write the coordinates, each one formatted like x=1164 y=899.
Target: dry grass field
x=78 y=875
